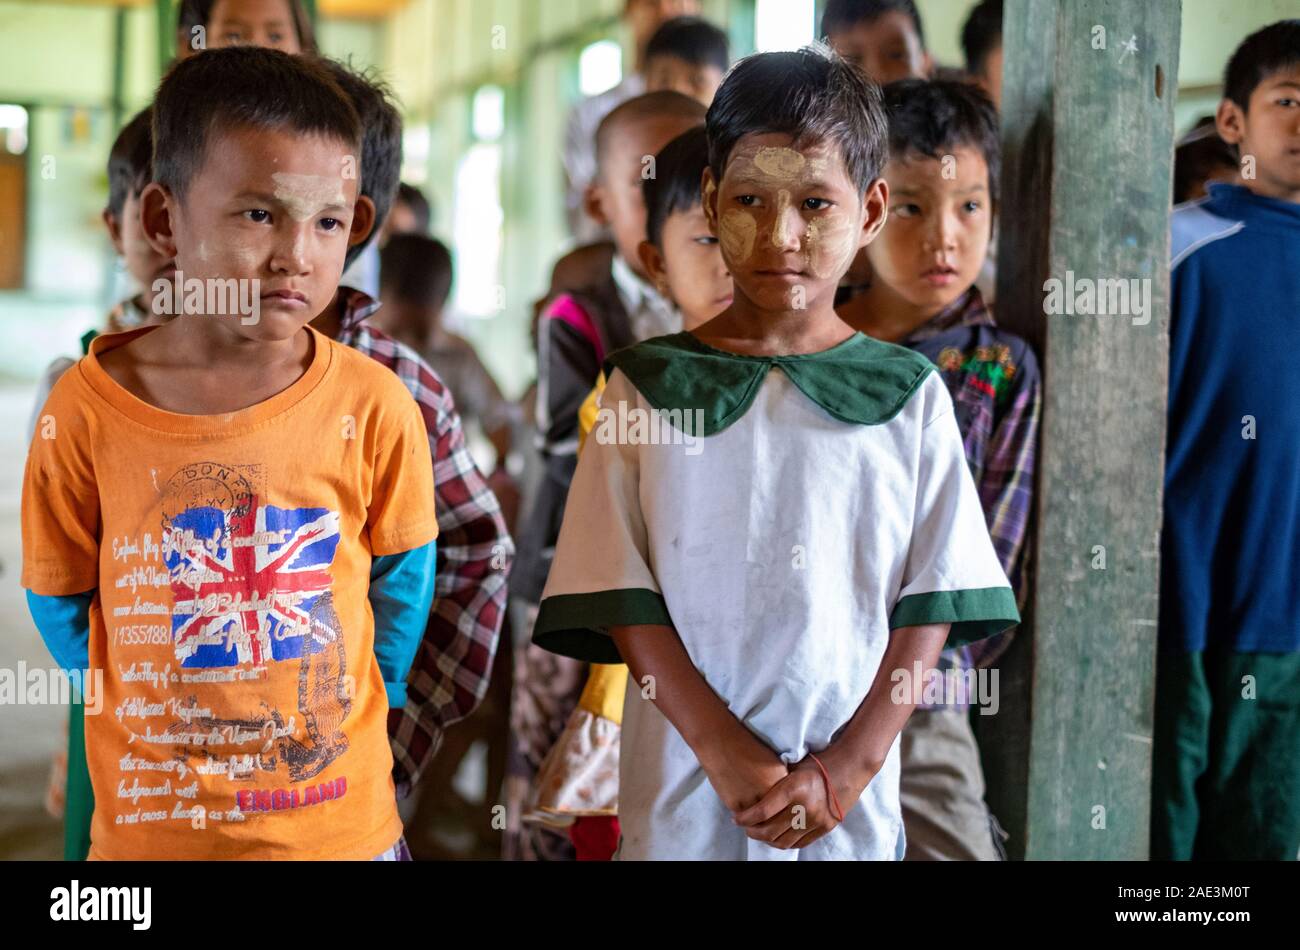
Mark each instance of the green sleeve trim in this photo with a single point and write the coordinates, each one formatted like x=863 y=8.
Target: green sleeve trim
x=577 y=625
x=974 y=614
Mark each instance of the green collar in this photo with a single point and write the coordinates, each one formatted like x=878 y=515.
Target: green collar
x=860 y=381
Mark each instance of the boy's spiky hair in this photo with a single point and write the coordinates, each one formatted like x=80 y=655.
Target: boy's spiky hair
x=675 y=185
x=1264 y=52
x=691 y=39
x=933 y=117
x=846 y=14
x=982 y=34
x=812 y=95
x=130 y=162
x=381 y=141
x=222 y=89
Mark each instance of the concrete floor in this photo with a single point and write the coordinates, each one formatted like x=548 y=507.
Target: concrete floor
x=28 y=734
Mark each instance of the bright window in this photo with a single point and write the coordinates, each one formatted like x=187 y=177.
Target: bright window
x=600 y=67
x=784 y=24
x=13 y=128
x=489 y=113
x=477 y=231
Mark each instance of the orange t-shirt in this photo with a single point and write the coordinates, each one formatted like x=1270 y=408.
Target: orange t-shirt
x=244 y=712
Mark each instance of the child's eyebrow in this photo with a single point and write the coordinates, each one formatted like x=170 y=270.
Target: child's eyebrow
x=262 y=198
x=1281 y=83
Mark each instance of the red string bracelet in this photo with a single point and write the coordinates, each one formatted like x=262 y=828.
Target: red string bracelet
x=830 y=789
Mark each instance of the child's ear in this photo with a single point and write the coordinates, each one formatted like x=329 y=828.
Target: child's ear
x=114 y=230
x=593 y=203
x=709 y=191
x=652 y=262
x=363 y=221
x=156 y=208
x=876 y=204
x=1230 y=122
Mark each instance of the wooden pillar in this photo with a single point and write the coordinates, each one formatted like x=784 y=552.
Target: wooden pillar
x=1088 y=90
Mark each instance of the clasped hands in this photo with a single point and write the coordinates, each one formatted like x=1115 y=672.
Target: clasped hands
x=784 y=806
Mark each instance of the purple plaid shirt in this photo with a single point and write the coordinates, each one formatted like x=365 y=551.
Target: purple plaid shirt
x=449 y=677
x=996 y=391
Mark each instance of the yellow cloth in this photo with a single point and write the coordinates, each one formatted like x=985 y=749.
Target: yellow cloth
x=603 y=694
x=588 y=410
x=244 y=711
x=579 y=776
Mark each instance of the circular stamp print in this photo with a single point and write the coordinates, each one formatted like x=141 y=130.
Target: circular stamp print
x=207 y=485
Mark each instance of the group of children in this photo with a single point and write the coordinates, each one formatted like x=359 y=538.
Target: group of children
x=788 y=457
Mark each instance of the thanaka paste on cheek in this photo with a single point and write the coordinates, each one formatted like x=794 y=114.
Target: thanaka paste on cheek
x=830 y=245
x=736 y=234
x=305 y=196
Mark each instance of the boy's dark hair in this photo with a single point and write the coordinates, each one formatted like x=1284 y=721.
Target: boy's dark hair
x=416 y=269
x=130 y=162
x=675 y=185
x=381 y=141
x=811 y=95
x=1260 y=55
x=194 y=13
x=414 y=199
x=221 y=89
x=1198 y=155
x=982 y=34
x=933 y=117
x=845 y=14
x=652 y=105
x=691 y=39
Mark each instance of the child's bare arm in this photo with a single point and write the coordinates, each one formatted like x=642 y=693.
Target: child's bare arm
x=739 y=765
x=855 y=756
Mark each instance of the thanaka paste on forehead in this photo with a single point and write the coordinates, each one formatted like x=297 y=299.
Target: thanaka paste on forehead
x=305 y=196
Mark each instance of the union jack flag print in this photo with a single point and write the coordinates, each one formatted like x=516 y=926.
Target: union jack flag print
x=244 y=581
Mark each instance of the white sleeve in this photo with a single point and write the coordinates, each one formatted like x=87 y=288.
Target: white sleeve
x=601 y=575
x=952 y=572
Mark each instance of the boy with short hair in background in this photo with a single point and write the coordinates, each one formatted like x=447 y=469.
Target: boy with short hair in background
x=578 y=781
x=981 y=45
x=450 y=676
x=883 y=38
x=576 y=333
x=1227 y=723
x=923 y=295
x=642 y=18
x=687 y=55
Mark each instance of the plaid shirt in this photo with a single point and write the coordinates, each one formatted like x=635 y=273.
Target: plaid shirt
x=451 y=671
x=996 y=391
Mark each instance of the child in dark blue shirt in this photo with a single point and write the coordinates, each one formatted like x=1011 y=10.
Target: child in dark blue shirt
x=1227 y=744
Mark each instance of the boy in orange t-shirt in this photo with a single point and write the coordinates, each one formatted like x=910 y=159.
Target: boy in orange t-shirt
x=229 y=517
